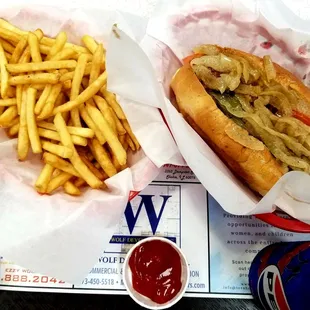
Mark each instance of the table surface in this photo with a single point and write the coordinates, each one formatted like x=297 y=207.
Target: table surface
x=52 y=301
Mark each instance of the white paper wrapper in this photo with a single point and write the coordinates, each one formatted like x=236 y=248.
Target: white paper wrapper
x=178 y=26
x=60 y=235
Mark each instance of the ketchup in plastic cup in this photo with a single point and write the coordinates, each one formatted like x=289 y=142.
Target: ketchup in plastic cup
x=156 y=273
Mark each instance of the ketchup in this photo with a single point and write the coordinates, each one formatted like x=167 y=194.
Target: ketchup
x=156 y=271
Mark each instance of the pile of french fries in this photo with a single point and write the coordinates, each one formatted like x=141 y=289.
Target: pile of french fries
x=54 y=100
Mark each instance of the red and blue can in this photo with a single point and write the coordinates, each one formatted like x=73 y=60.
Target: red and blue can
x=279 y=276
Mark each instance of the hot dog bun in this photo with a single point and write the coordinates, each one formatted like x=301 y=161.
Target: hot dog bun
x=259 y=169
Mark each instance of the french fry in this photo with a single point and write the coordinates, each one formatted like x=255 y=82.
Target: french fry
x=102 y=157
x=89 y=92
x=8 y=116
x=110 y=98
x=90 y=43
x=8 y=102
x=89 y=56
x=4 y=73
x=31 y=122
x=13 y=130
x=10 y=36
x=35 y=78
x=105 y=110
x=69 y=75
x=95 y=66
x=7 y=55
x=60 y=42
x=5 y=24
x=131 y=134
x=60 y=99
x=59 y=163
x=41 y=66
x=23 y=142
x=75 y=90
x=76 y=161
x=53 y=135
x=71 y=189
x=108 y=133
x=50 y=102
x=92 y=168
x=42 y=100
x=25 y=57
x=116 y=163
x=65 y=54
x=19 y=49
x=67 y=84
x=44 y=179
x=79 y=182
x=78 y=131
x=60 y=150
x=130 y=143
x=11 y=93
x=33 y=43
x=50 y=42
x=8 y=47
x=44 y=49
x=58 y=181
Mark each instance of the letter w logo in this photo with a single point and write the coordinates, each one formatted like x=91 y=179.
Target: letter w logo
x=147 y=201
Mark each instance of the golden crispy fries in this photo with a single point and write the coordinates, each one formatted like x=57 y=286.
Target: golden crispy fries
x=78 y=131
x=53 y=97
x=8 y=116
x=35 y=78
x=42 y=100
x=110 y=98
x=44 y=49
x=59 y=163
x=105 y=110
x=108 y=133
x=60 y=42
x=65 y=54
x=76 y=161
x=90 y=43
x=23 y=142
x=57 y=149
x=89 y=92
x=75 y=90
x=69 y=75
x=71 y=189
x=44 y=178
x=31 y=122
x=13 y=130
x=58 y=181
x=130 y=143
x=53 y=135
x=10 y=36
x=4 y=73
x=19 y=49
x=92 y=168
x=50 y=102
x=8 y=102
x=131 y=134
x=7 y=46
x=95 y=67
x=102 y=157
x=34 y=47
x=90 y=123
x=41 y=66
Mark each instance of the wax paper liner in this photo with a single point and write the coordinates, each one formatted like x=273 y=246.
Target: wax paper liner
x=60 y=235
x=175 y=28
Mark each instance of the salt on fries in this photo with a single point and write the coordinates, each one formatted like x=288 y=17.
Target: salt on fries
x=53 y=98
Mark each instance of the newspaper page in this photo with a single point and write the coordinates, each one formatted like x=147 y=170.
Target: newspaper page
x=219 y=246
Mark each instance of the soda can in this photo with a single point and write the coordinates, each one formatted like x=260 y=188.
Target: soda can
x=279 y=276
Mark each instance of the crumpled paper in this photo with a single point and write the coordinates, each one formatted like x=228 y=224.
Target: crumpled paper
x=179 y=25
x=60 y=235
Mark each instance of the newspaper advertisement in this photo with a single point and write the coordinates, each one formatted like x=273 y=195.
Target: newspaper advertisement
x=219 y=246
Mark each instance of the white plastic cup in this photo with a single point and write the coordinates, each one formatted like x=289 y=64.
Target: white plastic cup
x=143 y=300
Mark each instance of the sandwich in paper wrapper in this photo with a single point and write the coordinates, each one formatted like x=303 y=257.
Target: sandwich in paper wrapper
x=179 y=26
x=61 y=235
